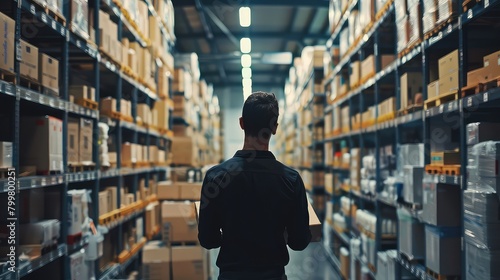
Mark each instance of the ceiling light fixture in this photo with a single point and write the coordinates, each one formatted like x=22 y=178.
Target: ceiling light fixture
x=246 y=61
x=245 y=16
x=247 y=91
x=246 y=73
x=247 y=83
x=245 y=45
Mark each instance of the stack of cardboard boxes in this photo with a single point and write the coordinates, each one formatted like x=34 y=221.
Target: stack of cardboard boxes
x=489 y=71
x=80 y=141
x=448 y=76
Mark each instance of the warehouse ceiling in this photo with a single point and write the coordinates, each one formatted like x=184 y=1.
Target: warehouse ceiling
x=211 y=28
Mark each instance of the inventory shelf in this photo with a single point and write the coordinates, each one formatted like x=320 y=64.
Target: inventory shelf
x=114 y=271
x=29 y=267
x=47 y=101
x=32 y=182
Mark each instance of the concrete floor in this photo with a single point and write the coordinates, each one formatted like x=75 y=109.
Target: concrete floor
x=310 y=264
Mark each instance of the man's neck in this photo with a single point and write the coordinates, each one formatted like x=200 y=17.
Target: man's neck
x=253 y=143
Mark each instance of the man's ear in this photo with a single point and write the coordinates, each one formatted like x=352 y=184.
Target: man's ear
x=242 y=125
x=275 y=129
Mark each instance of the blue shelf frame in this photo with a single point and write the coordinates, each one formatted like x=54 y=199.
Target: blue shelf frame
x=65 y=43
x=452 y=36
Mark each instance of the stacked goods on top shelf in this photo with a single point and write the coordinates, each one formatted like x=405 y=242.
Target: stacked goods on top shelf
x=196 y=116
x=481 y=201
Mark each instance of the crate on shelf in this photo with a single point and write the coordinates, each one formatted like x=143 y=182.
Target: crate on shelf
x=441 y=99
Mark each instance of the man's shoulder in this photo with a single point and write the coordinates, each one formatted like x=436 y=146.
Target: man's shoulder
x=288 y=171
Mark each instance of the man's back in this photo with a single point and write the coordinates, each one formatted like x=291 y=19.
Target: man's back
x=253 y=198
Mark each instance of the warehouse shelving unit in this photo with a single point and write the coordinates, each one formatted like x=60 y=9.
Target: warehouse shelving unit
x=466 y=31
x=108 y=79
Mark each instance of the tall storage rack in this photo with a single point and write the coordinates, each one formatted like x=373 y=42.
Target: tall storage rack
x=471 y=29
x=49 y=32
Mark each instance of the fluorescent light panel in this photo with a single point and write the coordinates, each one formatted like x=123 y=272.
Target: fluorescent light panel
x=247 y=83
x=245 y=45
x=247 y=91
x=246 y=61
x=246 y=73
x=245 y=16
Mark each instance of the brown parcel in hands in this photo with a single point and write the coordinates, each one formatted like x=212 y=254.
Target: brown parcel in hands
x=314 y=222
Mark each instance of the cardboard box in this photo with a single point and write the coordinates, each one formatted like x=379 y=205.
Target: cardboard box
x=441 y=203
x=345 y=263
x=7 y=45
x=73 y=141
x=77 y=266
x=144 y=112
x=189 y=191
x=182 y=219
x=161 y=107
x=445 y=158
x=151 y=218
x=482 y=75
x=49 y=72
x=354 y=74
x=46 y=153
x=108 y=105
x=80 y=17
x=368 y=67
x=129 y=199
x=443 y=250
x=80 y=92
x=386 y=59
x=168 y=190
x=156 y=261
x=189 y=263
x=128 y=153
x=492 y=62
x=113 y=198
x=448 y=83
x=433 y=89
x=5 y=154
x=29 y=60
x=411 y=84
x=39 y=233
x=181 y=130
x=448 y=64
x=86 y=141
x=184 y=151
x=103 y=202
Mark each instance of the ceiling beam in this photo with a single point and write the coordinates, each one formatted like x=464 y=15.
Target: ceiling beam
x=222 y=27
x=290 y=36
x=269 y=58
x=209 y=36
x=237 y=4
x=255 y=85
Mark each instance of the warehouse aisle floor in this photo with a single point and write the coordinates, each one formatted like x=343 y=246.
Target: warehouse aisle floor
x=310 y=264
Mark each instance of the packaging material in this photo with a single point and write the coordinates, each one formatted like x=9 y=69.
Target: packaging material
x=402 y=33
x=368 y=67
x=182 y=219
x=81 y=92
x=412 y=190
x=482 y=263
x=344 y=42
x=29 y=61
x=429 y=17
x=7 y=38
x=410 y=154
x=75 y=200
x=129 y=153
x=85 y=140
x=366 y=13
x=445 y=158
x=42 y=233
x=481 y=218
x=112 y=198
x=156 y=259
x=103 y=202
x=189 y=262
x=443 y=250
x=5 y=154
x=108 y=105
x=386 y=60
x=411 y=84
x=401 y=9
x=448 y=83
x=77 y=266
x=448 y=64
x=414 y=24
x=46 y=152
x=482 y=132
x=433 y=89
x=411 y=237
x=446 y=9
x=80 y=18
x=355 y=74
x=49 y=72
x=441 y=204
x=345 y=263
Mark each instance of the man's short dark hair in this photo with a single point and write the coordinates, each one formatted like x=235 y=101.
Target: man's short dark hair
x=260 y=114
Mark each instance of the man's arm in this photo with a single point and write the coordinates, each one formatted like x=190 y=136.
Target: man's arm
x=299 y=234
x=209 y=221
